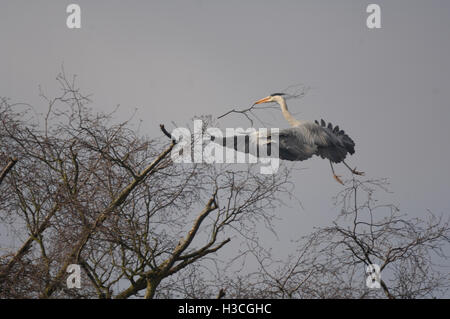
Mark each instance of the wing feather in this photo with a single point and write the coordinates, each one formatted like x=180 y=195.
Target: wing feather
x=303 y=141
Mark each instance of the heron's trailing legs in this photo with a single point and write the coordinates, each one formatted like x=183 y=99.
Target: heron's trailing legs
x=336 y=177
x=354 y=171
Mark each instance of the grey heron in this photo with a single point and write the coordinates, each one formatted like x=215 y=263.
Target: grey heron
x=305 y=139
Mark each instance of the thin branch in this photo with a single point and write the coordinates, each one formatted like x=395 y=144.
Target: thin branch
x=8 y=168
x=246 y=111
x=166 y=133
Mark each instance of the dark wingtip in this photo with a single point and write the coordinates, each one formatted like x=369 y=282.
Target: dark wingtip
x=349 y=144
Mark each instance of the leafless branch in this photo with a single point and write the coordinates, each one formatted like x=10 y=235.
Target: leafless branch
x=6 y=170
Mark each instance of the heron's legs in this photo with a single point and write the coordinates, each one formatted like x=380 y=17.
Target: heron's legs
x=354 y=171
x=336 y=177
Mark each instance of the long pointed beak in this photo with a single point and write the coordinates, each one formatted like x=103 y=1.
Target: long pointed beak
x=264 y=100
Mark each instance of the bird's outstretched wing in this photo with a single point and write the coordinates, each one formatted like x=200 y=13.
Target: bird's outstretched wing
x=332 y=142
x=307 y=139
x=297 y=143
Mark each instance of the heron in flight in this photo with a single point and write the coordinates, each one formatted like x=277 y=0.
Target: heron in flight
x=305 y=139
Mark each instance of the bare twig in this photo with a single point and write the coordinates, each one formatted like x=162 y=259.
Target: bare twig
x=166 y=133
x=221 y=294
x=8 y=167
x=246 y=111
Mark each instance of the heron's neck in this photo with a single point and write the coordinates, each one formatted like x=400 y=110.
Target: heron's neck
x=287 y=115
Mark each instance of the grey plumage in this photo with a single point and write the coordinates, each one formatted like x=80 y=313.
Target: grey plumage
x=301 y=141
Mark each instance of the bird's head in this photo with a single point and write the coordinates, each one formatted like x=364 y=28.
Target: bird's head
x=275 y=97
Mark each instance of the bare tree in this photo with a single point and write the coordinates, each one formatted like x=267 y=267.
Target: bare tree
x=90 y=192
x=332 y=262
x=77 y=187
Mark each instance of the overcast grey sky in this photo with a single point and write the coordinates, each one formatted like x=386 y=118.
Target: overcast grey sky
x=388 y=88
